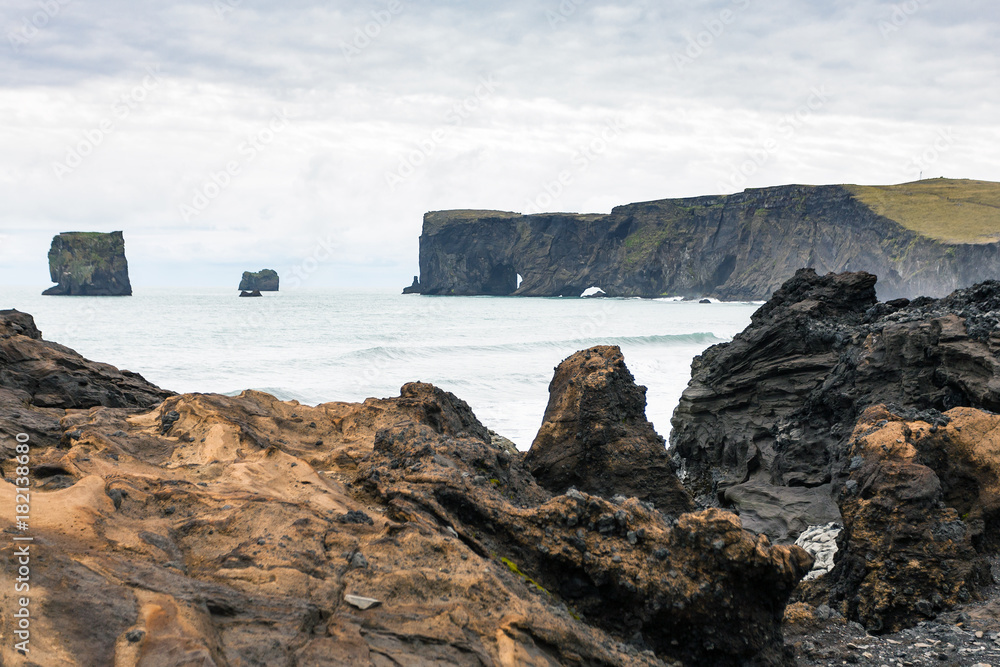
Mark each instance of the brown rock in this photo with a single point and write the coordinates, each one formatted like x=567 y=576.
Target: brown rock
x=678 y=589
x=236 y=530
x=906 y=554
x=595 y=435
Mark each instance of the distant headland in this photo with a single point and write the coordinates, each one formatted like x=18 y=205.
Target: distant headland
x=928 y=237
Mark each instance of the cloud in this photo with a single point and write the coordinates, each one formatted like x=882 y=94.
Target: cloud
x=711 y=97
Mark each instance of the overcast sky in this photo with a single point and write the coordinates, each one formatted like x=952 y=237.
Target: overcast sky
x=224 y=135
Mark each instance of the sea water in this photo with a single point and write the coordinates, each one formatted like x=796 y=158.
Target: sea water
x=314 y=346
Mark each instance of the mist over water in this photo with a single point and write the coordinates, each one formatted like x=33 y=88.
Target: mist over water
x=315 y=346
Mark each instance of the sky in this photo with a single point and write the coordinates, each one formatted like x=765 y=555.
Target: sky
x=311 y=137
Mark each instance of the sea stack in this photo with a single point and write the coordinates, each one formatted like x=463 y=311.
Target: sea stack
x=265 y=280
x=413 y=288
x=89 y=264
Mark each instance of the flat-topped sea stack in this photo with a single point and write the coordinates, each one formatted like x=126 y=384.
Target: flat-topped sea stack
x=927 y=238
x=89 y=264
x=265 y=280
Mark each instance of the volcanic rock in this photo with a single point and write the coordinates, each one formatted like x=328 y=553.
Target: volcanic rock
x=413 y=288
x=771 y=413
x=595 y=436
x=212 y=529
x=927 y=237
x=915 y=505
x=89 y=264
x=265 y=280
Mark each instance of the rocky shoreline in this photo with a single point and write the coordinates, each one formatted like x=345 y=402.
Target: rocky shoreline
x=207 y=529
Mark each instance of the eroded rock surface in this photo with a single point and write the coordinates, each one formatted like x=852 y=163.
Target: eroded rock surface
x=774 y=409
x=595 y=436
x=39 y=380
x=915 y=507
x=245 y=530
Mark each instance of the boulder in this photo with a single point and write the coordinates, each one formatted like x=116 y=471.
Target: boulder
x=89 y=264
x=595 y=435
x=914 y=507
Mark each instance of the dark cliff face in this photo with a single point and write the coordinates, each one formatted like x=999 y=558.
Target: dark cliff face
x=265 y=280
x=834 y=407
x=769 y=415
x=89 y=264
x=742 y=246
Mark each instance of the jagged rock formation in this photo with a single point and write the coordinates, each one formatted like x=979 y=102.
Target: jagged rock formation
x=245 y=530
x=40 y=380
x=265 y=280
x=89 y=264
x=779 y=415
x=595 y=435
x=918 y=499
x=769 y=416
x=924 y=238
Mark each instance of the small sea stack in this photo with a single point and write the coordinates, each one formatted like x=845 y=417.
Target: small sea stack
x=89 y=264
x=265 y=280
x=414 y=288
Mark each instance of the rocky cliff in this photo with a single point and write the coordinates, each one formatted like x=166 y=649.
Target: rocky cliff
x=835 y=407
x=217 y=530
x=89 y=264
x=265 y=280
x=925 y=238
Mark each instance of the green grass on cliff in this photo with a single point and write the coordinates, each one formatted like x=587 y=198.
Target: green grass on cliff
x=948 y=210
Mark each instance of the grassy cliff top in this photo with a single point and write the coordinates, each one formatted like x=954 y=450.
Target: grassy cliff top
x=949 y=210
x=467 y=215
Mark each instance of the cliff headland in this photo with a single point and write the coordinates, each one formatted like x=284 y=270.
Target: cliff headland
x=924 y=238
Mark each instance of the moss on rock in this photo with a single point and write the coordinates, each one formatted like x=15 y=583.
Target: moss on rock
x=89 y=264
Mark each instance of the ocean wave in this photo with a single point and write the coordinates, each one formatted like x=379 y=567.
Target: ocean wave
x=408 y=352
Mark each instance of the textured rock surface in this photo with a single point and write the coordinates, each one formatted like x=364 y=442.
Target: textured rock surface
x=89 y=264
x=265 y=280
x=39 y=380
x=245 y=530
x=776 y=407
x=912 y=508
x=742 y=246
x=595 y=435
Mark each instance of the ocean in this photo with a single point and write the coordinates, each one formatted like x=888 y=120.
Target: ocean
x=314 y=346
